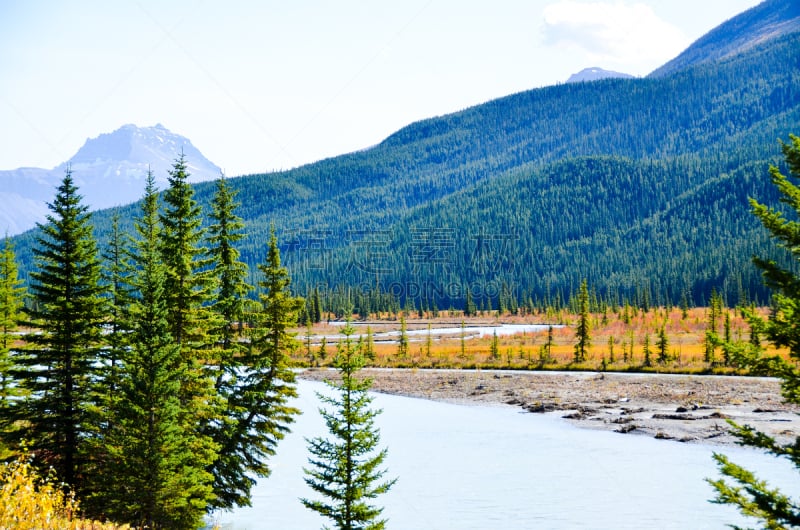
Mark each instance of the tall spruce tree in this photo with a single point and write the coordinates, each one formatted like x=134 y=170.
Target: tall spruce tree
x=258 y=413
x=188 y=288
x=188 y=283
x=229 y=301
x=346 y=469
x=157 y=475
x=116 y=276
x=12 y=295
x=59 y=370
x=739 y=486
x=583 y=331
x=229 y=304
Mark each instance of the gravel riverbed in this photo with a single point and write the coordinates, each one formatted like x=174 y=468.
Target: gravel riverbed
x=685 y=408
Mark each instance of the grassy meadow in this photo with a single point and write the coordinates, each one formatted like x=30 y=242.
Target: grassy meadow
x=618 y=342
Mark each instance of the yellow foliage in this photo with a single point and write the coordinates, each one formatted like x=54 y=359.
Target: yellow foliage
x=28 y=502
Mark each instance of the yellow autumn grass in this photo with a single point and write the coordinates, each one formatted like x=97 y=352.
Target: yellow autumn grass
x=29 y=502
x=611 y=332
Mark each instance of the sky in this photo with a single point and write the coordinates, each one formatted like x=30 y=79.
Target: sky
x=262 y=85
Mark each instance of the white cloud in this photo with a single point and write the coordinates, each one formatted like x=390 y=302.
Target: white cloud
x=619 y=34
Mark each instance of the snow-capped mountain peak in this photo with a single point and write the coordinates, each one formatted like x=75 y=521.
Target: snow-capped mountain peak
x=109 y=170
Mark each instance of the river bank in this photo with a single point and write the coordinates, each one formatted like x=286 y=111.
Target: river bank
x=685 y=408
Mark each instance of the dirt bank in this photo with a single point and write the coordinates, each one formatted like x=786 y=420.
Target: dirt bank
x=676 y=407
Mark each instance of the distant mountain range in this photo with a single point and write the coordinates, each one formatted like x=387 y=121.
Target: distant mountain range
x=638 y=185
x=109 y=170
x=595 y=74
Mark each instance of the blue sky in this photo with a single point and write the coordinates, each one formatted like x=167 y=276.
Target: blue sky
x=263 y=85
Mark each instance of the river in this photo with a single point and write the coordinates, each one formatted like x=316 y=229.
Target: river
x=483 y=467
x=418 y=335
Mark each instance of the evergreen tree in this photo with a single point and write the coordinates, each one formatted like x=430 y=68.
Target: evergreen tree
x=116 y=275
x=727 y=339
x=611 y=358
x=312 y=360
x=739 y=486
x=548 y=346
x=317 y=306
x=684 y=305
x=494 y=347
x=402 y=341
x=12 y=295
x=157 y=465
x=258 y=413
x=225 y=233
x=646 y=350
x=369 y=351
x=346 y=469
x=712 y=339
x=59 y=370
x=428 y=341
x=188 y=290
x=583 y=331
x=322 y=353
x=188 y=284
x=469 y=305
x=463 y=340
x=662 y=343
x=229 y=305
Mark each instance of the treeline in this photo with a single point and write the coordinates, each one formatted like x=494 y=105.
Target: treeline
x=145 y=373
x=631 y=228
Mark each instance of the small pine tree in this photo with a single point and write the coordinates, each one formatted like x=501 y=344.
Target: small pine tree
x=463 y=352
x=611 y=358
x=646 y=350
x=369 y=349
x=583 y=331
x=710 y=347
x=662 y=343
x=402 y=341
x=310 y=354
x=726 y=340
x=469 y=305
x=322 y=353
x=548 y=346
x=317 y=307
x=684 y=305
x=494 y=348
x=346 y=470
x=428 y=341
x=712 y=340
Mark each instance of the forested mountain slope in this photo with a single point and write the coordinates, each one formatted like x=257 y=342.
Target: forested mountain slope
x=767 y=20
x=639 y=185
